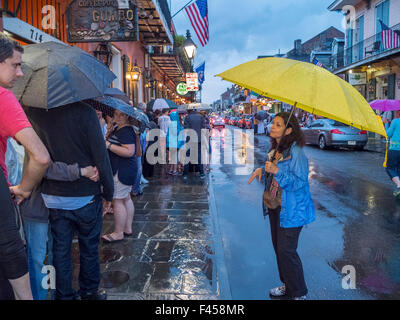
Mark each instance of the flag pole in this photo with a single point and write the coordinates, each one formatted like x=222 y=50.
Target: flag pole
x=182 y=8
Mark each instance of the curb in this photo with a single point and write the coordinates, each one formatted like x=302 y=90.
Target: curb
x=221 y=270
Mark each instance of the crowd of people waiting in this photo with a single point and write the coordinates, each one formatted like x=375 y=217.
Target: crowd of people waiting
x=73 y=174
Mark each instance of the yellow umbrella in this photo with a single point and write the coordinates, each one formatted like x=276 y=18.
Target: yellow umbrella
x=309 y=87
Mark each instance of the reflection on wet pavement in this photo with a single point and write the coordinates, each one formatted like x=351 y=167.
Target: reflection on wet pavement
x=112 y=279
x=170 y=253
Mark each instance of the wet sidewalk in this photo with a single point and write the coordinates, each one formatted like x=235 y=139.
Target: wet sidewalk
x=171 y=253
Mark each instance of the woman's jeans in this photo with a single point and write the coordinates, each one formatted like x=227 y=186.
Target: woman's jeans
x=393 y=163
x=87 y=223
x=36 y=247
x=290 y=268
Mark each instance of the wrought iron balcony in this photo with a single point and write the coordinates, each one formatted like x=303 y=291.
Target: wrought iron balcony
x=366 y=50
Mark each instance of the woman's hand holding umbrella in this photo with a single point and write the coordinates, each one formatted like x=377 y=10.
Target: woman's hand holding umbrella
x=271 y=167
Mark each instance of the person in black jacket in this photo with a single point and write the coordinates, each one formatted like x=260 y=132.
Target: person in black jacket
x=72 y=134
x=196 y=123
x=13 y=259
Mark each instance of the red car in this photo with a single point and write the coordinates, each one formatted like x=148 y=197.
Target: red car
x=248 y=123
x=242 y=123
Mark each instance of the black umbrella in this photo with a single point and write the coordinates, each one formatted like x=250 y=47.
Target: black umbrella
x=117 y=93
x=56 y=74
x=108 y=104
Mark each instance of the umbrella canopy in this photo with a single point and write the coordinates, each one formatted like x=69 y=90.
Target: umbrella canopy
x=161 y=103
x=56 y=74
x=385 y=105
x=117 y=93
x=310 y=87
x=108 y=104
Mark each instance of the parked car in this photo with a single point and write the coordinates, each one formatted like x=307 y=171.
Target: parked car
x=327 y=132
x=218 y=122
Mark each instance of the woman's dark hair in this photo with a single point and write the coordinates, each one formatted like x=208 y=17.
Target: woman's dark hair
x=7 y=47
x=150 y=115
x=295 y=136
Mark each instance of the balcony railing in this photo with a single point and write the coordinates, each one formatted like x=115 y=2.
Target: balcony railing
x=176 y=51
x=364 y=49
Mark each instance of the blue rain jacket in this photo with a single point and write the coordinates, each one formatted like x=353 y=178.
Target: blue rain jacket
x=174 y=129
x=297 y=208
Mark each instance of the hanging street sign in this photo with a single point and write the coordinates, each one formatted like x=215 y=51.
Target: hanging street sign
x=192 y=81
x=102 y=21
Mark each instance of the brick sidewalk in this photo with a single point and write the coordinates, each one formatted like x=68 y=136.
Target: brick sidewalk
x=170 y=254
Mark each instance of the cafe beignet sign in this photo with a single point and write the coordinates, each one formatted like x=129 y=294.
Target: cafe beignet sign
x=102 y=20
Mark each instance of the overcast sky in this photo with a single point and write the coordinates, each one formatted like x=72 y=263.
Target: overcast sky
x=241 y=30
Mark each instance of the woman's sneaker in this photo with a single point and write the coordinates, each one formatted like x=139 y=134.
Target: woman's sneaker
x=300 y=298
x=396 y=192
x=278 y=291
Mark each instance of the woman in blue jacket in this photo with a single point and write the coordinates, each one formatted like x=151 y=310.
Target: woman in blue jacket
x=393 y=158
x=288 y=202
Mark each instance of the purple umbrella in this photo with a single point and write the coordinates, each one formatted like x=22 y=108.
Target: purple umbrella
x=385 y=105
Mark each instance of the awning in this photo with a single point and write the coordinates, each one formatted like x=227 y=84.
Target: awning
x=155 y=22
x=169 y=64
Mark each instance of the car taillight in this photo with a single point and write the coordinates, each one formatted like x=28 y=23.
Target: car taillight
x=363 y=132
x=336 y=131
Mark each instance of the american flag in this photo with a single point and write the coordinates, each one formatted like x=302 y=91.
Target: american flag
x=390 y=38
x=198 y=16
x=317 y=63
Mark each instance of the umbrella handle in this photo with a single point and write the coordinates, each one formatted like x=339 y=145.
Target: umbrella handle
x=269 y=176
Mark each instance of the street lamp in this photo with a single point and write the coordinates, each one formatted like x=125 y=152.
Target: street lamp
x=133 y=74
x=189 y=46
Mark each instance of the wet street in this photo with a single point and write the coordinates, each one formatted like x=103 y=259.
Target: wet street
x=357 y=225
x=207 y=239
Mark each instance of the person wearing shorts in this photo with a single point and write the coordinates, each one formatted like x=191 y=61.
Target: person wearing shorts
x=123 y=145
